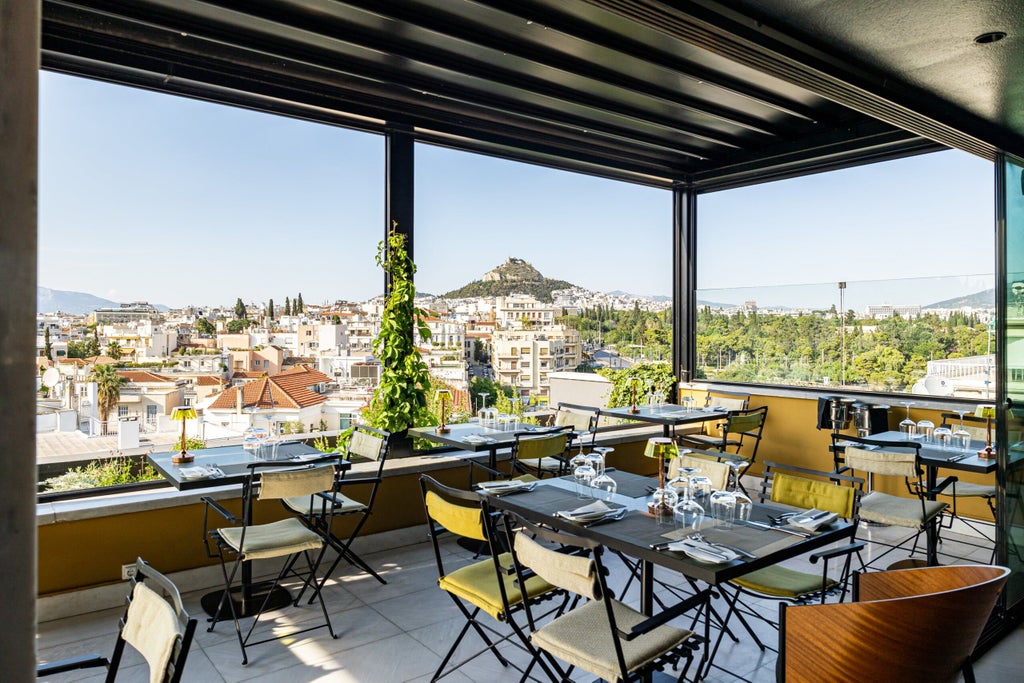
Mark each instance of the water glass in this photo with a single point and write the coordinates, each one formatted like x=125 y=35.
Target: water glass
x=742 y=507
x=688 y=514
x=943 y=437
x=583 y=475
x=723 y=506
x=603 y=486
x=926 y=431
x=700 y=486
x=662 y=504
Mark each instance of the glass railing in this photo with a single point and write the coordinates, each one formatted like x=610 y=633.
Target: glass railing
x=931 y=336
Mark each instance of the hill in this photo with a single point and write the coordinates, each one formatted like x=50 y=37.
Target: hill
x=984 y=299
x=514 y=276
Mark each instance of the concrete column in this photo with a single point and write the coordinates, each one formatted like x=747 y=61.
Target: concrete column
x=19 y=88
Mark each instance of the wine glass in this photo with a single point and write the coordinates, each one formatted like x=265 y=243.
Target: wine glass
x=962 y=437
x=742 y=506
x=682 y=479
x=604 y=451
x=734 y=474
x=700 y=486
x=908 y=427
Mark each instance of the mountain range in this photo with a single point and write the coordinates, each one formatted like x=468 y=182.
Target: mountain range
x=73 y=303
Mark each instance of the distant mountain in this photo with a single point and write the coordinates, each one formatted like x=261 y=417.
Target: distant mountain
x=514 y=276
x=76 y=303
x=984 y=299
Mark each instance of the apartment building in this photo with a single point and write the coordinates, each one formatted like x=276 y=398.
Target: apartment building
x=524 y=358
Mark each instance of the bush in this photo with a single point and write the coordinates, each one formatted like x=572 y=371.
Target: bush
x=112 y=471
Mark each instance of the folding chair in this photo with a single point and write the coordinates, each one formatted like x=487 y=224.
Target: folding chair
x=805 y=489
x=602 y=636
x=488 y=585
x=540 y=455
x=371 y=444
x=288 y=538
x=580 y=419
x=964 y=489
x=158 y=627
x=738 y=427
x=901 y=459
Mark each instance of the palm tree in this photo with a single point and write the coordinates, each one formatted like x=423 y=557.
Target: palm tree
x=114 y=350
x=108 y=390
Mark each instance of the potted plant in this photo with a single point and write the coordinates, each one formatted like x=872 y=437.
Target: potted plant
x=400 y=401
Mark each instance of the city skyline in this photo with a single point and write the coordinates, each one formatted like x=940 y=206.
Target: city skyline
x=150 y=197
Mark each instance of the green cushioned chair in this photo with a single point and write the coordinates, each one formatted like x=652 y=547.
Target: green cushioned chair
x=802 y=489
x=544 y=455
x=602 y=636
x=741 y=426
x=488 y=586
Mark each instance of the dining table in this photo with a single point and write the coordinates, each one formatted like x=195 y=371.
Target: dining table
x=478 y=437
x=668 y=415
x=933 y=458
x=639 y=534
x=229 y=466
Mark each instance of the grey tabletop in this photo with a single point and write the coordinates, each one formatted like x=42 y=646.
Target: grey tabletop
x=233 y=461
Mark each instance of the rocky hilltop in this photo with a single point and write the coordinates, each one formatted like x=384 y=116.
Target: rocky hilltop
x=514 y=276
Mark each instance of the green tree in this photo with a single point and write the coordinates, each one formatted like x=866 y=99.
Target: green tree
x=92 y=344
x=205 y=327
x=237 y=326
x=287 y=306
x=76 y=349
x=47 y=347
x=108 y=389
x=299 y=306
x=270 y=309
x=114 y=350
x=400 y=400
x=240 y=309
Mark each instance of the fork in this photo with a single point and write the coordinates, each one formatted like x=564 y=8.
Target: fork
x=699 y=537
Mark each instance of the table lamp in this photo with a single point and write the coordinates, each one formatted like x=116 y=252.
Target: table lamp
x=632 y=391
x=442 y=395
x=183 y=413
x=663 y=500
x=988 y=412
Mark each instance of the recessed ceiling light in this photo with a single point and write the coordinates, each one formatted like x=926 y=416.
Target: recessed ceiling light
x=990 y=37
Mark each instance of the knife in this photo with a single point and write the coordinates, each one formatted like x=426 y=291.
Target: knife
x=762 y=525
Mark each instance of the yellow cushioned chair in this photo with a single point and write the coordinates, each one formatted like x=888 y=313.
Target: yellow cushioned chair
x=804 y=489
x=487 y=586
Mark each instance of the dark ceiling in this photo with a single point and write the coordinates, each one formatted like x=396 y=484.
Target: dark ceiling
x=654 y=92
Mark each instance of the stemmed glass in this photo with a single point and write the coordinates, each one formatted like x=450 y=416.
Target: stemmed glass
x=908 y=426
x=602 y=483
x=682 y=480
x=962 y=437
x=583 y=474
x=734 y=474
x=723 y=506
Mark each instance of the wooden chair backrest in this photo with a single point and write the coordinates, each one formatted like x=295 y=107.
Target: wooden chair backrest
x=913 y=625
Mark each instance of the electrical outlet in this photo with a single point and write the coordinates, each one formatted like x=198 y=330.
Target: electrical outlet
x=127 y=571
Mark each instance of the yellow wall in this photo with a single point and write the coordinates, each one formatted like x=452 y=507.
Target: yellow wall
x=80 y=554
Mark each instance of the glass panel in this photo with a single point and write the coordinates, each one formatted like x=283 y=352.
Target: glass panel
x=930 y=336
x=1012 y=459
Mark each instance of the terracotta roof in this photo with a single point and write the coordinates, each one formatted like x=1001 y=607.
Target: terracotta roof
x=209 y=381
x=144 y=377
x=270 y=392
x=311 y=375
x=247 y=374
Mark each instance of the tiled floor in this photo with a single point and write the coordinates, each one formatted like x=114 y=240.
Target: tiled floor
x=399 y=632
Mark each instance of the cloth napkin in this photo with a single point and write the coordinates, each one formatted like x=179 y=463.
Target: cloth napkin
x=813 y=519
x=200 y=472
x=476 y=438
x=586 y=513
x=510 y=485
x=702 y=552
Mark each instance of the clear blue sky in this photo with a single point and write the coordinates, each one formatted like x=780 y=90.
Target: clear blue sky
x=146 y=196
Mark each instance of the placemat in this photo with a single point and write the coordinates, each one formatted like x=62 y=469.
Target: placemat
x=760 y=542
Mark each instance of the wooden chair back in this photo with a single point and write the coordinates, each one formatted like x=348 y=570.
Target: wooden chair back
x=912 y=624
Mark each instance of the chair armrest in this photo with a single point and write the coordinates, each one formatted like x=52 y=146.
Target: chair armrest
x=837 y=552
x=224 y=512
x=359 y=480
x=491 y=470
x=667 y=615
x=72 y=664
x=943 y=485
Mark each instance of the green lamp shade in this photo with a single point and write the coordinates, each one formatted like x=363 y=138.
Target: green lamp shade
x=987 y=412
x=661 y=447
x=183 y=413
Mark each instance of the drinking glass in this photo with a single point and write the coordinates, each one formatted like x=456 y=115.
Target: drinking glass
x=603 y=486
x=908 y=426
x=926 y=430
x=700 y=486
x=742 y=507
x=682 y=480
x=962 y=437
x=688 y=514
x=583 y=475
x=595 y=460
x=734 y=474
x=604 y=451
x=662 y=503
x=723 y=506
x=943 y=437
